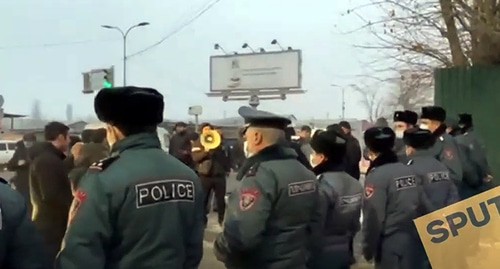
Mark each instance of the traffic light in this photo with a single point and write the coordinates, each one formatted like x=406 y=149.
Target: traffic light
x=109 y=79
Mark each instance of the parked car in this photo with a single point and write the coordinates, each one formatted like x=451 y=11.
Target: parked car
x=7 y=149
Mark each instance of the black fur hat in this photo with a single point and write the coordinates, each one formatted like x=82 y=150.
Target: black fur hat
x=465 y=119
x=418 y=138
x=129 y=106
x=411 y=117
x=331 y=143
x=380 y=139
x=436 y=113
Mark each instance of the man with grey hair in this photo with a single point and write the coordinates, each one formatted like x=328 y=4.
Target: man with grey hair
x=268 y=216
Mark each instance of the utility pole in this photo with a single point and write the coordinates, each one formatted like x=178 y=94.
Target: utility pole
x=343 y=103
x=124 y=36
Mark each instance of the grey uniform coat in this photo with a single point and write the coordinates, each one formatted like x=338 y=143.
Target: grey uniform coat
x=391 y=202
x=438 y=188
x=476 y=156
x=339 y=209
x=269 y=215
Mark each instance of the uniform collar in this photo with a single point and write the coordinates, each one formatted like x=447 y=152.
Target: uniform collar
x=136 y=141
x=384 y=158
x=274 y=152
x=328 y=167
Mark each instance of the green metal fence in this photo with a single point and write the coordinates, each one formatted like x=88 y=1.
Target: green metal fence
x=474 y=90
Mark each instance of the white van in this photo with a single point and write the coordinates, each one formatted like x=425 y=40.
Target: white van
x=7 y=149
x=163 y=134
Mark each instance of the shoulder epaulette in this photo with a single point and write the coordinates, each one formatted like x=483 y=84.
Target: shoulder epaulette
x=104 y=163
x=252 y=171
x=2 y=180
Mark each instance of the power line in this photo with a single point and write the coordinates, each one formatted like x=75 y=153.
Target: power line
x=180 y=28
x=60 y=44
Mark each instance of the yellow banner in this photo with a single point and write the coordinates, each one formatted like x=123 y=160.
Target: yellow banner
x=464 y=235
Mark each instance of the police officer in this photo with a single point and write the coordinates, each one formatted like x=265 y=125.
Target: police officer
x=403 y=120
x=268 y=215
x=139 y=208
x=339 y=206
x=476 y=154
x=444 y=149
x=391 y=202
x=439 y=190
x=20 y=244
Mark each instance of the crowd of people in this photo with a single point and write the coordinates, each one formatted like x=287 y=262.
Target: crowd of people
x=115 y=199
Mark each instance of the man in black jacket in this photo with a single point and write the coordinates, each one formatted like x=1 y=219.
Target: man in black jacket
x=353 y=151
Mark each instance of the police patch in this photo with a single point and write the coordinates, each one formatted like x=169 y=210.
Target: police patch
x=300 y=188
x=164 y=191
x=407 y=182
x=248 y=198
x=438 y=176
x=369 y=191
x=350 y=199
x=448 y=154
x=78 y=199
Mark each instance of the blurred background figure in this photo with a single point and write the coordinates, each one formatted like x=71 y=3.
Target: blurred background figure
x=78 y=171
x=180 y=144
x=305 y=134
x=353 y=151
x=20 y=164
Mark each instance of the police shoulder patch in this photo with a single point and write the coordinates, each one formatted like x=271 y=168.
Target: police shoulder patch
x=164 y=191
x=79 y=198
x=248 y=198
x=369 y=191
x=449 y=154
x=405 y=182
x=104 y=163
x=302 y=187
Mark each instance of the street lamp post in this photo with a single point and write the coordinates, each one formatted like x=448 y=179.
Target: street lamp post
x=343 y=99
x=124 y=36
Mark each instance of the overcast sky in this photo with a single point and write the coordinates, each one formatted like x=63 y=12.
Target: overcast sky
x=33 y=67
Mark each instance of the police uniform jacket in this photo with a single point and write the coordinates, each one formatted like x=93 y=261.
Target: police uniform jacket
x=268 y=216
x=391 y=202
x=438 y=188
x=20 y=244
x=446 y=151
x=140 y=208
x=476 y=151
x=339 y=207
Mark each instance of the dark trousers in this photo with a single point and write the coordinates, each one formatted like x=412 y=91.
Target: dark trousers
x=217 y=184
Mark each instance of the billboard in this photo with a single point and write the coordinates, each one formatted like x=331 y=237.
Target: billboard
x=256 y=71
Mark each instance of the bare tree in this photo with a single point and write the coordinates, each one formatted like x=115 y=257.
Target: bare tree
x=69 y=112
x=412 y=90
x=373 y=101
x=436 y=32
x=36 y=110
